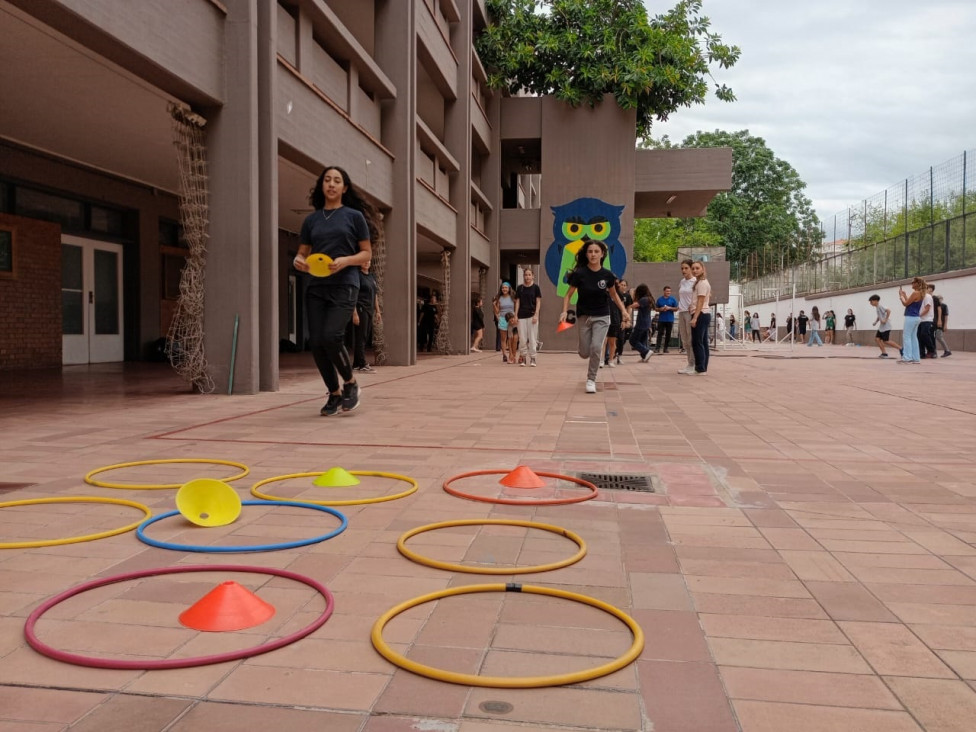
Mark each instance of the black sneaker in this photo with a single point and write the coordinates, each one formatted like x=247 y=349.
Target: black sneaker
x=901 y=352
x=332 y=405
x=350 y=396
x=946 y=354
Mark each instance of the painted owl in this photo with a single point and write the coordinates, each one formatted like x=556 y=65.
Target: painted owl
x=589 y=217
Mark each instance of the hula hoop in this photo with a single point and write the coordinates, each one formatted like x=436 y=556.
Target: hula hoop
x=355 y=502
x=504 y=682
x=147 y=665
x=140 y=532
x=594 y=492
x=420 y=559
x=73 y=539
x=159 y=486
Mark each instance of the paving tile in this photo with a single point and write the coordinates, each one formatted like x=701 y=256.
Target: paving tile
x=939 y=705
x=846 y=601
x=799 y=630
x=660 y=592
x=672 y=636
x=593 y=708
x=806 y=687
x=787 y=655
x=680 y=697
x=893 y=650
x=218 y=717
x=133 y=712
x=777 y=607
x=816 y=566
x=759 y=716
x=46 y=705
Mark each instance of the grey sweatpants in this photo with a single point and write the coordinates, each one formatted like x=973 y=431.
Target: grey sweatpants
x=592 y=336
x=684 y=331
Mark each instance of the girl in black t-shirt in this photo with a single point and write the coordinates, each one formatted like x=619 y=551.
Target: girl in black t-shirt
x=596 y=287
x=341 y=227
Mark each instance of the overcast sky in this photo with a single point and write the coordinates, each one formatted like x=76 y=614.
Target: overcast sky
x=856 y=95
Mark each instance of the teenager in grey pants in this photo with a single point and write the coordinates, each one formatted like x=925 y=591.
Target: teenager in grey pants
x=686 y=297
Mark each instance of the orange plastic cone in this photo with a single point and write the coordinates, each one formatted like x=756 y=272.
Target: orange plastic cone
x=522 y=477
x=228 y=606
x=564 y=326
x=336 y=478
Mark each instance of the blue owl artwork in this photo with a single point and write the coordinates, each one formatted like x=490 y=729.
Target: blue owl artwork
x=584 y=217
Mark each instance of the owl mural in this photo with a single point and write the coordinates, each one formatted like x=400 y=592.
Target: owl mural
x=589 y=217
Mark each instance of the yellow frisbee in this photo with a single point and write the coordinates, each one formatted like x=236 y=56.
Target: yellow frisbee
x=318 y=265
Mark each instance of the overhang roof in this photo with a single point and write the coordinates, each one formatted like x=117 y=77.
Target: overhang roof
x=679 y=183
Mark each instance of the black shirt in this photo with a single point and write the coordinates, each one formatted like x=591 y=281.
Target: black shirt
x=367 y=291
x=527 y=296
x=849 y=321
x=802 y=323
x=592 y=289
x=477 y=318
x=336 y=233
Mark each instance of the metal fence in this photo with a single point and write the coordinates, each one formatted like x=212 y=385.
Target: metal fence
x=923 y=226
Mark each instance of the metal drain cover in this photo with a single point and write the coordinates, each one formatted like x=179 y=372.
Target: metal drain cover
x=641 y=482
x=495 y=707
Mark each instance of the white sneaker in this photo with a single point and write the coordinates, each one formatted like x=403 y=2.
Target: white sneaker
x=687 y=370
x=647 y=356
x=590 y=387
x=532 y=363
x=612 y=365
x=602 y=364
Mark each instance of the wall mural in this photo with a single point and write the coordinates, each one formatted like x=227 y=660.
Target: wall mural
x=589 y=217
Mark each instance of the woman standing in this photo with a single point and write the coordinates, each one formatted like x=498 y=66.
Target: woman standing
x=504 y=304
x=593 y=283
x=850 y=325
x=701 y=316
x=686 y=297
x=831 y=326
x=913 y=306
x=814 y=326
x=340 y=228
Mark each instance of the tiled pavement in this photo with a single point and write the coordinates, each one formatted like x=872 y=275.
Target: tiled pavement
x=807 y=564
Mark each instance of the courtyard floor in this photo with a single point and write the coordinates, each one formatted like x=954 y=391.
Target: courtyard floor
x=805 y=563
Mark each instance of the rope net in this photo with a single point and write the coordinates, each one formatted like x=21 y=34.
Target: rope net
x=378 y=269
x=184 y=342
x=443 y=329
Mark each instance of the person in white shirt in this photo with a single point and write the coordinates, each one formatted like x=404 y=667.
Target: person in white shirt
x=686 y=296
x=926 y=327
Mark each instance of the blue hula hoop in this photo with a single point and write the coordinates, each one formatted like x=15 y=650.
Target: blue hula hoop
x=140 y=532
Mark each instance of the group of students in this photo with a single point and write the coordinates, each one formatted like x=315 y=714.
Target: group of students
x=597 y=292
x=516 y=315
x=926 y=320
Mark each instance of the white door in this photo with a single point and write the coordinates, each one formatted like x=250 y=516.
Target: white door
x=91 y=301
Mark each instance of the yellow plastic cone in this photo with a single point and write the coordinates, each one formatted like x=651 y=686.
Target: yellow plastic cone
x=336 y=478
x=208 y=502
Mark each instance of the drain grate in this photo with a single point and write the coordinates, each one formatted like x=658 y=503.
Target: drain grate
x=620 y=481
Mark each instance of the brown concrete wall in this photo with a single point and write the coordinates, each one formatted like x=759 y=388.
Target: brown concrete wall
x=30 y=299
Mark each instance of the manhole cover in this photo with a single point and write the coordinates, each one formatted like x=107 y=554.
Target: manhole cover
x=495 y=707
x=620 y=481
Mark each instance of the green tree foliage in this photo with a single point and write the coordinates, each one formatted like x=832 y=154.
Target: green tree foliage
x=658 y=240
x=764 y=219
x=580 y=50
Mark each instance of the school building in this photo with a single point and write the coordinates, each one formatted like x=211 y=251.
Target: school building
x=116 y=113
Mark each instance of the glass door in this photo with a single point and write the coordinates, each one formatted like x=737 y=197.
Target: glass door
x=91 y=301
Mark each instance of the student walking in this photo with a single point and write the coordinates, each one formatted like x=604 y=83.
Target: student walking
x=883 y=320
x=341 y=227
x=593 y=283
x=528 y=308
x=850 y=325
x=701 y=317
x=913 y=307
x=941 y=322
x=814 y=326
x=643 y=304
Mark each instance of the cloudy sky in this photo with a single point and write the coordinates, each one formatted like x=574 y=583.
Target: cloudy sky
x=856 y=95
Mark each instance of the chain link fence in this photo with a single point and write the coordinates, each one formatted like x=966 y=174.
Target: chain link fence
x=923 y=226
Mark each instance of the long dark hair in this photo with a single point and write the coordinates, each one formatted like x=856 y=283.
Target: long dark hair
x=581 y=261
x=641 y=291
x=350 y=197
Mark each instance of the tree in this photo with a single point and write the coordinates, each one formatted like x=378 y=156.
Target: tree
x=658 y=240
x=581 y=50
x=764 y=220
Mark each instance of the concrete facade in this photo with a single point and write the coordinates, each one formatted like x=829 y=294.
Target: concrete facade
x=391 y=90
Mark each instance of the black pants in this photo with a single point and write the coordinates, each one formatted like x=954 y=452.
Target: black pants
x=358 y=335
x=926 y=338
x=699 y=341
x=329 y=311
x=426 y=333
x=664 y=335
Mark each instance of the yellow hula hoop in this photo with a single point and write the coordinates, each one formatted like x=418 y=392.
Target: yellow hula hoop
x=159 y=486
x=420 y=559
x=504 y=682
x=74 y=539
x=354 y=502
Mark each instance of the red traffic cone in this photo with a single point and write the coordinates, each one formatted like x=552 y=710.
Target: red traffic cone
x=522 y=477
x=228 y=606
x=564 y=326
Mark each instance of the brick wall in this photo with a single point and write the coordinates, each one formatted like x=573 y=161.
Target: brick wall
x=30 y=301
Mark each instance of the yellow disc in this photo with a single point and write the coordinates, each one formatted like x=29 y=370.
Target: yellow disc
x=355 y=502
x=318 y=265
x=208 y=502
x=74 y=539
x=159 y=486
x=420 y=559
x=506 y=682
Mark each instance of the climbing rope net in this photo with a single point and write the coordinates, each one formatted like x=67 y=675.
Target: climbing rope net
x=184 y=342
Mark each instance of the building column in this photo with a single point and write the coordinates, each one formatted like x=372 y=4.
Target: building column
x=457 y=139
x=396 y=53
x=232 y=282
x=268 y=258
